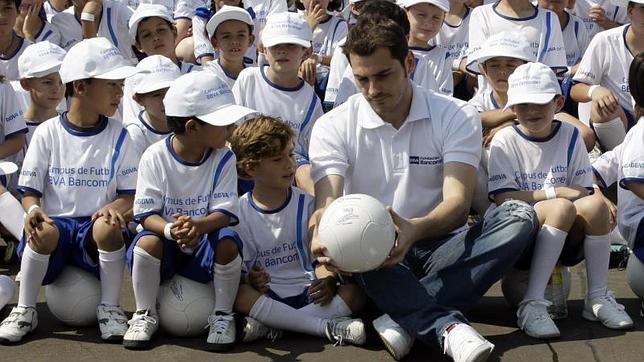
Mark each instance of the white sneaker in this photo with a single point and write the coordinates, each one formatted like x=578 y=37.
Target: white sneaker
x=254 y=330
x=112 y=322
x=533 y=318
x=221 y=334
x=606 y=310
x=395 y=338
x=143 y=325
x=464 y=344
x=18 y=323
x=344 y=330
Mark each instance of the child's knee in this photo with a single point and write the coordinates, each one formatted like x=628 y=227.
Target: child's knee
x=107 y=236
x=226 y=251
x=152 y=245
x=593 y=211
x=45 y=240
x=560 y=213
x=246 y=298
x=588 y=136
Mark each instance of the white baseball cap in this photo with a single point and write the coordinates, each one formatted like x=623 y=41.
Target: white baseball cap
x=504 y=44
x=533 y=83
x=7 y=168
x=40 y=59
x=286 y=28
x=95 y=58
x=226 y=13
x=205 y=96
x=441 y=4
x=156 y=72
x=145 y=11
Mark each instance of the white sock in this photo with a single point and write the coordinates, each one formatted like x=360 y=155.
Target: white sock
x=226 y=280
x=597 y=253
x=610 y=134
x=110 y=265
x=335 y=308
x=548 y=246
x=33 y=268
x=282 y=316
x=146 y=277
x=12 y=216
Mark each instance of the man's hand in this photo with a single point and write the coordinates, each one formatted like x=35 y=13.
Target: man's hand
x=259 y=278
x=323 y=290
x=110 y=215
x=407 y=235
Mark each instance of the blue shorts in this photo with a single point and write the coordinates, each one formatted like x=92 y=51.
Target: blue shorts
x=71 y=249
x=197 y=266
x=296 y=301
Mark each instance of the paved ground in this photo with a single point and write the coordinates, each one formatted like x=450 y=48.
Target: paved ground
x=582 y=341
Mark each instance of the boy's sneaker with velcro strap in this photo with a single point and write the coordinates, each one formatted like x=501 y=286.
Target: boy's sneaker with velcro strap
x=112 y=322
x=254 y=330
x=20 y=321
x=143 y=325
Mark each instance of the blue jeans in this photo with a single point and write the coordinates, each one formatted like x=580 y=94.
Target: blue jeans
x=438 y=279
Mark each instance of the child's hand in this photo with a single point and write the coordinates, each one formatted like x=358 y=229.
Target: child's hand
x=323 y=290
x=572 y=192
x=259 y=278
x=34 y=221
x=604 y=101
x=32 y=23
x=315 y=16
x=183 y=228
x=110 y=216
x=307 y=71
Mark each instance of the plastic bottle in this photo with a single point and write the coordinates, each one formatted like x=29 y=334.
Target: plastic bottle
x=556 y=294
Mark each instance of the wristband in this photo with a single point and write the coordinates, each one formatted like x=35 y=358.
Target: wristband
x=318 y=58
x=595 y=186
x=167 y=233
x=550 y=193
x=87 y=17
x=456 y=65
x=568 y=72
x=591 y=89
x=32 y=208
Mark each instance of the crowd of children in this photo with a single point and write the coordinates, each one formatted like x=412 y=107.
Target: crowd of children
x=191 y=138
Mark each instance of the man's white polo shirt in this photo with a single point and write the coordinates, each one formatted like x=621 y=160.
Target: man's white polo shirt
x=402 y=168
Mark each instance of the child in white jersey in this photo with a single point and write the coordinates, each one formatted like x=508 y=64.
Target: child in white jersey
x=38 y=67
x=231 y=33
x=76 y=202
x=149 y=87
x=11 y=44
x=267 y=89
x=602 y=77
x=186 y=196
x=425 y=20
x=328 y=30
x=544 y=162
x=282 y=291
x=625 y=165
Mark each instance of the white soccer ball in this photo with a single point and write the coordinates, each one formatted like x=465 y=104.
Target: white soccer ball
x=74 y=296
x=515 y=283
x=358 y=232
x=184 y=306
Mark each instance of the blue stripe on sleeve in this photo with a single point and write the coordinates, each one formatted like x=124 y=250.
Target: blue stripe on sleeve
x=117 y=152
x=47 y=34
x=307 y=119
x=109 y=27
x=301 y=248
x=548 y=33
x=220 y=168
x=571 y=146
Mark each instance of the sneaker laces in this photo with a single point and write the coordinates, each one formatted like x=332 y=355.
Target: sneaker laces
x=13 y=317
x=115 y=313
x=219 y=323
x=609 y=298
x=273 y=334
x=538 y=313
x=142 y=322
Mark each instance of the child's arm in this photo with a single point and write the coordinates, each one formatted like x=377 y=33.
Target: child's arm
x=35 y=215
x=496 y=117
x=572 y=193
x=636 y=187
x=12 y=145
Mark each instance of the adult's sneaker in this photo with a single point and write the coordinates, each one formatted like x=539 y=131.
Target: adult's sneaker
x=395 y=338
x=606 y=310
x=18 y=323
x=143 y=325
x=221 y=332
x=345 y=330
x=464 y=344
x=254 y=330
x=533 y=318
x=112 y=322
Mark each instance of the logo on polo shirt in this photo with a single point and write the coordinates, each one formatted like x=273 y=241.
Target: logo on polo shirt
x=425 y=160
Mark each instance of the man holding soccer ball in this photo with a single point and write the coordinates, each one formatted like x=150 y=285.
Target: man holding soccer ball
x=418 y=152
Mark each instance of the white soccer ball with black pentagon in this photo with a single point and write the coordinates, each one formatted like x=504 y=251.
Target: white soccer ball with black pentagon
x=358 y=233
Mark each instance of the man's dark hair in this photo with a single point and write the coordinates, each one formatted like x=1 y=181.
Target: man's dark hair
x=370 y=34
x=636 y=81
x=382 y=9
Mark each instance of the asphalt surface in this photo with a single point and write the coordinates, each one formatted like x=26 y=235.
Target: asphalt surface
x=493 y=317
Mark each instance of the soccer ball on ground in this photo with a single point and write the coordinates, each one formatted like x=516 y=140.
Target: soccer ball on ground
x=184 y=306
x=358 y=232
x=74 y=296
